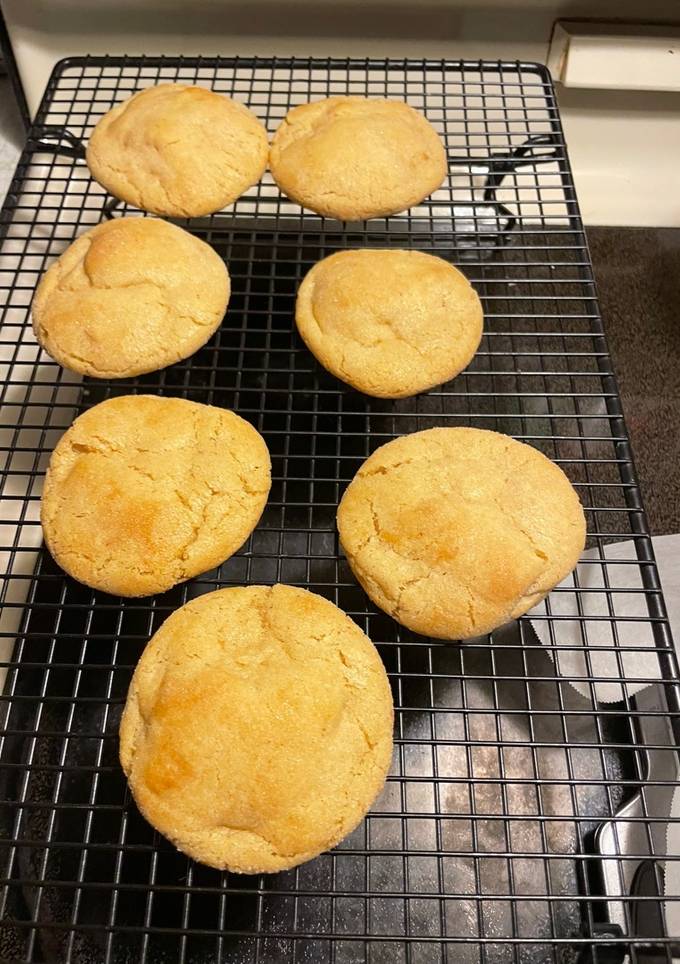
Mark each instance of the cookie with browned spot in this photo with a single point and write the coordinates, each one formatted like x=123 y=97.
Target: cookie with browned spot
x=353 y=158
x=258 y=728
x=130 y=296
x=177 y=150
x=455 y=531
x=389 y=322
x=143 y=492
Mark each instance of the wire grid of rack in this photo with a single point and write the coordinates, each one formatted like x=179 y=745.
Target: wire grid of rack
x=522 y=821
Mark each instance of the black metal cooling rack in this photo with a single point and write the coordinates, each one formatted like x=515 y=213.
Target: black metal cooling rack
x=524 y=818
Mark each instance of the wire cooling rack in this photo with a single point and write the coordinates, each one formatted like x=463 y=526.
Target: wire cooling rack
x=523 y=820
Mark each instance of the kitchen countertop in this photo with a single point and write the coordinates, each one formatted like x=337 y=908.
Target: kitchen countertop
x=638 y=278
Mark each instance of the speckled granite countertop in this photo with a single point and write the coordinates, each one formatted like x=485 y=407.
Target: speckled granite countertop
x=638 y=277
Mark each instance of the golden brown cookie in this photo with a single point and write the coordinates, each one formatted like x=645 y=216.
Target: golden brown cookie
x=143 y=492
x=391 y=323
x=258 y=728
x=130 y=296
x=455 y=531
x=353 y=158
x=177 y=150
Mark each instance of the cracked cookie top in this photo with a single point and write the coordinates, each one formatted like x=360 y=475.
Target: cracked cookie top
x=391 y=323
x=455 y=531
x=258 y=728
x=353 y=158
x=178 y=151
x=130 y=296
x=143 y=492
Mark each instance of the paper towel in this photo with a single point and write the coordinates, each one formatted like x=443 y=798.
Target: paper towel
x=594 y=640
x=671 y=875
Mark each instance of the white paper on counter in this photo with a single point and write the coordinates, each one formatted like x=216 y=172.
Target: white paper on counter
x=671 y=876
x=609 y=664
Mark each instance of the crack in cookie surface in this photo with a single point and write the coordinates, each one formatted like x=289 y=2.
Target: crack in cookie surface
x=161 y=489
x=455 y=531
x=130 y=296
x=258 y=728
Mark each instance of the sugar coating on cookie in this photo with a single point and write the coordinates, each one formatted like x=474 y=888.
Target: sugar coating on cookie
x=177 y=150
x=130 y=296
x=353 y=158
x=143 y=492
x=455 y=531
x=258 y=728
x=391 y=323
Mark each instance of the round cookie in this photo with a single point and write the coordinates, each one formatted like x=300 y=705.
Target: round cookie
x=143 y=492
x=354 y=158
x=455 y=531
x=391 y=323
x=178 y=151
x=130 y=296
x=258 y=728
